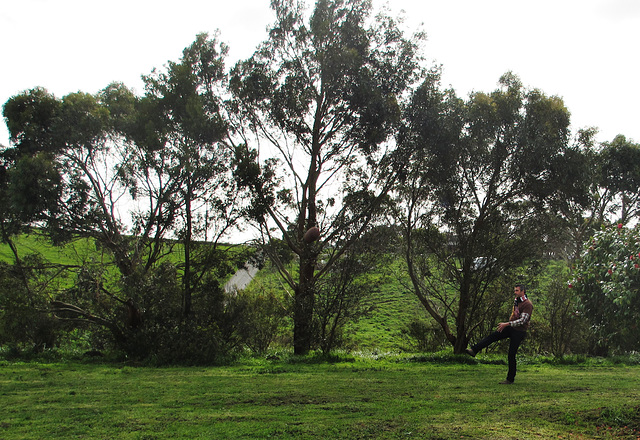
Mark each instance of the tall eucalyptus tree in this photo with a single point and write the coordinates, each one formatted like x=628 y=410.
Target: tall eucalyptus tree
x=323 y=98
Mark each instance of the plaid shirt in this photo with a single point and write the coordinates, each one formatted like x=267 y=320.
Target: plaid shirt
x=524 y=319
x=521 y=314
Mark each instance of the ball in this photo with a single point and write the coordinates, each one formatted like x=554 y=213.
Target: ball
x=311 y=235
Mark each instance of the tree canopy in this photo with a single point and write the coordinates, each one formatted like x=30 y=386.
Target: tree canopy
x=475 y=204
x=136 y=175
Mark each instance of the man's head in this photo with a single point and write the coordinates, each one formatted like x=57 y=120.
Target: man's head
x=519 y=290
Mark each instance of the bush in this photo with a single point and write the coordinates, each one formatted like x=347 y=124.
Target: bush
x=24 y=321
x=261 y=317
x=607 y=281
x=558 y=328
x=423 y=337
x=207 y=336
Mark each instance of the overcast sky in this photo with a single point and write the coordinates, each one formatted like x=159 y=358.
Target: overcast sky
x=585 y=51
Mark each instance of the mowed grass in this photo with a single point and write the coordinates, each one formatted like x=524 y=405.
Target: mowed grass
x=355 y=398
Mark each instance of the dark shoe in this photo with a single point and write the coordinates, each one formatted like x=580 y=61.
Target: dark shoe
x=506 y=382
x=470 y=352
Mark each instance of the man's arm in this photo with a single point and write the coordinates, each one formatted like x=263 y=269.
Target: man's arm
x=524 y=318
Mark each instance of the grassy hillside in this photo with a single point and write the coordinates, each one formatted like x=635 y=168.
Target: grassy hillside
x=34 y=243
x=392 y=309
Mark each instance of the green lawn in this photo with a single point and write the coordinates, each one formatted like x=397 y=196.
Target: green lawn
x=356 y=398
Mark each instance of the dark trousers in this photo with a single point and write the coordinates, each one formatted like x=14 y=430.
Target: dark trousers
x=515 y=336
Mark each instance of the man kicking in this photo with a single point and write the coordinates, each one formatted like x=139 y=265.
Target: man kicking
x=515 y=329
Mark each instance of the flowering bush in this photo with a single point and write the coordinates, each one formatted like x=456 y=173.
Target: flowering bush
x=607 y=281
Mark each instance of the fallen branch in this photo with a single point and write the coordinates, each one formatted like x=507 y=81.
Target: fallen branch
x=59 y=307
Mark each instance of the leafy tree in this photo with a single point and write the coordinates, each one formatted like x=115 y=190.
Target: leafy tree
x=33 y=188
x=29 y=117
x=580 y=208
x=620 y=165
x=28 y=187
x=608 y=180
x=130 y=173
x=262 y=317
x=23 y=304
x=72 y=189
x=559 y=327
x=324 y=96
x=607 y=281
x=475 y=204
x=184 y=151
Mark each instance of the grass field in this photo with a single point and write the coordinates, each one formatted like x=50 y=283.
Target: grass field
x=351 y=397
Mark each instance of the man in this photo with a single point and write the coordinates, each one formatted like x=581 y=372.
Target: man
x=515 y=329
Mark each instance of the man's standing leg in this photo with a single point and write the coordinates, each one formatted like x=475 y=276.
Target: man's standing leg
x=516 y=337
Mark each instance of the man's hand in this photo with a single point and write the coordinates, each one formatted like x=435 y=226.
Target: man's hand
x=502 y=326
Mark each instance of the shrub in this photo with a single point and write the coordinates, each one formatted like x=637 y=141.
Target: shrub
x=261 y=317
x=607 y=281
x=424 y=337
x=24 y=321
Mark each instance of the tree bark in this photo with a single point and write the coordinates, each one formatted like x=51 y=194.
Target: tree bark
x=304 y=301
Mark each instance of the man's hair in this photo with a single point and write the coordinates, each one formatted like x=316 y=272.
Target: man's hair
x=521 y=286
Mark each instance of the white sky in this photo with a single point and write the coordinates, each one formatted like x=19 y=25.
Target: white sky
x=585 y=51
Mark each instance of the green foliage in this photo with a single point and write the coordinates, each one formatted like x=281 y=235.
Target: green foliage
x=34 y=184
x=24 y=321
x=607 y=281
x=261 y=318
x=76 y=166
x=164 y=335
x=257 y=318
x=184 y=149
x=29 y=117
x=558 y=327
x=88 y=283
x=346 y=291
x=619 y=162
x=424 y=336
x=484 y=183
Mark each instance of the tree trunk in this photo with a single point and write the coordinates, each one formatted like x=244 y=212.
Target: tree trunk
x=463 y=310
x=186 y=306
x=303 y=306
